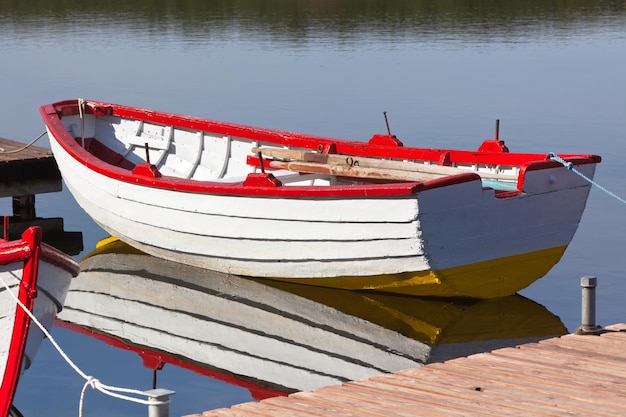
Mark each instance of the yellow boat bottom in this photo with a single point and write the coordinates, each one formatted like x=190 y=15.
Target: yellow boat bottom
x=488 y=279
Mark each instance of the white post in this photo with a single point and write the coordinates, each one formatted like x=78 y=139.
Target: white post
x=159 y=399
x=588 y=322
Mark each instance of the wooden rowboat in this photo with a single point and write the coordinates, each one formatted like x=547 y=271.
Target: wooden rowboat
x=328 y=212
x=39 y=276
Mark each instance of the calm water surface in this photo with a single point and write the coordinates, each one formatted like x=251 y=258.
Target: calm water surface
x=443 y=71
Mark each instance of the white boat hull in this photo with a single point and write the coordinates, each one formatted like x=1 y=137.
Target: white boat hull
x=435 y=240
x=39 y=276
x=299 y=238
x=52 y=285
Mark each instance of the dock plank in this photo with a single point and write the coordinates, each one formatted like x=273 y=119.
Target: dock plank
x=30 y=171
x=383 y=398
x=300 y=404
x=11 y=150
x=427 y=399
x=604 y=345
x=530 y=395
x=596 y=356
x=532 y=382
x=492 y=402
x=231 y=412
x=572 y=375
x=539 y=371
x=564 y=363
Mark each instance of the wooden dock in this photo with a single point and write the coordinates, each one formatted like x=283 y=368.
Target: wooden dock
x=572 y=375
x=26 y=171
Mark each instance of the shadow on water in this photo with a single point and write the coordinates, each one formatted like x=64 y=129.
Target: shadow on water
x=274 y=338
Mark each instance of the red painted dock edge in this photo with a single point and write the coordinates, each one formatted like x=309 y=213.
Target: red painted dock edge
x=571 y=375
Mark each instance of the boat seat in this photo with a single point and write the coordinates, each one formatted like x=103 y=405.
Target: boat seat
x=153 y=143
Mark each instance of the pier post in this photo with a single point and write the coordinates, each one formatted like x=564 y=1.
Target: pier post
x=24 y=207
x=161 y=399
x=588 y=322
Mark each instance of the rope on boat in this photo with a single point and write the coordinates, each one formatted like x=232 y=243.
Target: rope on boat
x=28 y=145
x=570 y=166
x=81 y=113
x=90 y=381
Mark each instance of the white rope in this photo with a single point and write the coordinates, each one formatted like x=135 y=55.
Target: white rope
x=91 y=381
x=2 y=150
x=571 y=167
x=81 y=109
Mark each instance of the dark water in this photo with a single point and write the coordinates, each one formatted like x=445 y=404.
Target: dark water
x=552 y=72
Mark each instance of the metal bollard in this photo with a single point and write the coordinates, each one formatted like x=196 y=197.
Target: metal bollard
x=588 y=324
x=161 y=397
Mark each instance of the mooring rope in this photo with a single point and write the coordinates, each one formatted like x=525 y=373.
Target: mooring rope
x=90 y=381
x=28 y=145
x=570 y=167
x=81 y=113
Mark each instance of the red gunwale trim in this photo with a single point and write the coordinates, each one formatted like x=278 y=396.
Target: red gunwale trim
x=26 y=250
x=52 y=114
x=29 y=250
x=18 y=250
x=154 y=359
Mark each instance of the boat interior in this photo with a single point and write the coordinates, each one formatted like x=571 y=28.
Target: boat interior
x=208 y=156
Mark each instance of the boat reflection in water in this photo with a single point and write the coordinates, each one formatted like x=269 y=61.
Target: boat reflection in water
x=280 y=338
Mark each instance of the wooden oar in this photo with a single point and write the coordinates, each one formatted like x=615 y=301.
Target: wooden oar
x=353 y=171
x=366 y=162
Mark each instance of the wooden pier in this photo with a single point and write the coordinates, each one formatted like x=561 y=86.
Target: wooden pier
x=26 y=171
x=572 y=375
